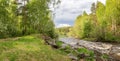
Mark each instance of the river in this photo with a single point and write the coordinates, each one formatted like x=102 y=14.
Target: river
x=113 y=50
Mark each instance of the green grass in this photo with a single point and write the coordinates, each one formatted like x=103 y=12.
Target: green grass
x=59 y=43
x=29 y=48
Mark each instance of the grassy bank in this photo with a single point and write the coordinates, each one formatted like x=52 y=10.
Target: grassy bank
x=29 y=48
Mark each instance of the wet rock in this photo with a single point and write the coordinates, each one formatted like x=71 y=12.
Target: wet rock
x=63 y=46
x=115 y=52
x=81 y=56
x=103 y=48
x=73 y=57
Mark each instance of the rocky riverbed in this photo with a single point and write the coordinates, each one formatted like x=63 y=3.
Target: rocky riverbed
x=112 y=50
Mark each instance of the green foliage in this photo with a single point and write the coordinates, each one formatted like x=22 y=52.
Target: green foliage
x=87 y=28
x=105 y=57
x=82 y=50
x=63 y=31
x=32 y=17
x=59 y=43
x=68 y=49
x=37 y=17
x=113 y=17
x=9 y=24
x=102 y=24
x=71 y=32
x=83 y=26
x=90 y=54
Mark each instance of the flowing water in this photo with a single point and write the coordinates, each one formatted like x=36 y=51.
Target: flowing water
x=112 y=50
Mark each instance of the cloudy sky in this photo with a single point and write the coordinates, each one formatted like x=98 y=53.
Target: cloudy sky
x=69 y=9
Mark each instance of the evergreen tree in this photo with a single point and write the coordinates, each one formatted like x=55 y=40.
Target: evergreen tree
x=93 y=8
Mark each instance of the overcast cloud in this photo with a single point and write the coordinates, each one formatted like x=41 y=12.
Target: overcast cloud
x=69 y=9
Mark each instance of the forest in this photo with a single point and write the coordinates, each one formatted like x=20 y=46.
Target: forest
x=24 y=27
x=103 y=24
x=29 y=17
x=28 y=32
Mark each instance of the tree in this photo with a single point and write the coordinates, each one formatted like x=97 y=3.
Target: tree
x=113 y=17
x=93 y=8
x=28 y=18
x=38 y=16
x=87 y=28
x=102 y=23
x=82 y=27
x=84 y=13
x=9 y=22
x=3 y=18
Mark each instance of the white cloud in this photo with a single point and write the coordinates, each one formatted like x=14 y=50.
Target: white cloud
x=63 y=25
x=69 y=9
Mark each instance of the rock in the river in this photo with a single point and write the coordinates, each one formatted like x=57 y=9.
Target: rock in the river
x=63 y=46
x=103 y=48
x=73 y=57
x=115 y=52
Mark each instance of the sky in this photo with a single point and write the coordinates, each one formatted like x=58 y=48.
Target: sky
x=69 y=9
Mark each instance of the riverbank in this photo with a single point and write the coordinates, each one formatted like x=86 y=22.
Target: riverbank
x=29 y=48
x=112 y=50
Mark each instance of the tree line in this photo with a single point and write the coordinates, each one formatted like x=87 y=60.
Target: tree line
x=102 y=24
x=26 y=17
x=62 y=31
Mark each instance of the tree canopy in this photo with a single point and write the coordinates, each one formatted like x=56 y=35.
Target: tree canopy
x=26 y=17
x=102 y=24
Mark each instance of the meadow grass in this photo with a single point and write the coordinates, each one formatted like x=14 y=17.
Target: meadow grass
x=29 y=48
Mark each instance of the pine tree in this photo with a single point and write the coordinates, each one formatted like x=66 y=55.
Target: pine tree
x=93 y=8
